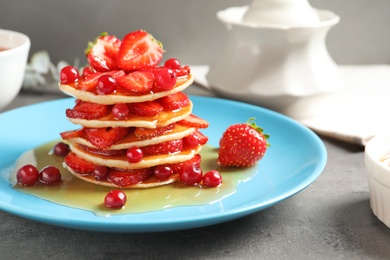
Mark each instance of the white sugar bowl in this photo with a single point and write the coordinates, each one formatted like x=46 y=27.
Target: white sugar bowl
x=272 y=58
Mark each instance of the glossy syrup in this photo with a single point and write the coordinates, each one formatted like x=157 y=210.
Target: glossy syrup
x=76 y=193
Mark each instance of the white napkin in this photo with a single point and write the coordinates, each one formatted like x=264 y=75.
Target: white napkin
x=354 y=114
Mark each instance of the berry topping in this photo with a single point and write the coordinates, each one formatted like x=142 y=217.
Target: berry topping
x=212 y=178
x=115 y=199
x=61 y=149
x=72 y=134
x=168 y=147
x=27 y=175
x=103 y=52
x=148 y=133
x=137 y=81
x=69 y=75
x=172 y=63
x=90 y=82
x=191 y=141
x=165 y=78
x=50 y=175
x=194 y=121
x=134 y=154
x=100 y=172
x=88 y=71
x=103 y=138
x=120 y=111
x=106 y=84
x=87 y=110
x=190 y=174
x=195 y=160
x=242 y=145
x=139 y=50
x=147 y=108
x=174 y=101
x=78 y=164
x=162 y=172
x=129 y=177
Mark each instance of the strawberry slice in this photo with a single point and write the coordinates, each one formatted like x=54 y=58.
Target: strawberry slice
x=147 y=108
x=174 y=101
x=72 y=134
x=202 y=138
x=89 y=81
x=129 y=177
x=194 y=121
x=139 y=50
x=103 y=152
x=103 y=138
x=138 y=81
x=78 y=164
x=87 y=110
x=148 y=133
x=177 y=166
x=183 y=71
x=102 y=53
x=168 y=147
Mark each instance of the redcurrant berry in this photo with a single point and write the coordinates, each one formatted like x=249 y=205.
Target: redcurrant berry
x=162 y=172
x=50 y=175
x=190 y=174
x=27 y=175
x=212 y=178
x=191 y=141
x=106 y=84
x=134 y=154
x=165 y=78
x=115 y=199
x=68 y=75
x=172 y=63
x=120 y=111
x=100 y=172
x=61 y=149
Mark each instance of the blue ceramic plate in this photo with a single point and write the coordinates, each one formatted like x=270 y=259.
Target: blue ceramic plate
x=296 y=158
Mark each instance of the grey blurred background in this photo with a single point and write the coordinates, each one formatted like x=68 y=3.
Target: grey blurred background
x=188 y=29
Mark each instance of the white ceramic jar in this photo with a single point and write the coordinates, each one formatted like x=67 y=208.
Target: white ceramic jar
x=273 y=65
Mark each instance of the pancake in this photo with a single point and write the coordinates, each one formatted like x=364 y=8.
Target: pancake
x=131 y=140
x=121 y=162
x=162 y=119
x=111 y=99
x=145 y=185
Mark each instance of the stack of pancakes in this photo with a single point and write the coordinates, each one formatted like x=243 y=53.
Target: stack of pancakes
x=114 y=156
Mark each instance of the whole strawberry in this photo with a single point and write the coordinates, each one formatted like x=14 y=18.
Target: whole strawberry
x=242 y=145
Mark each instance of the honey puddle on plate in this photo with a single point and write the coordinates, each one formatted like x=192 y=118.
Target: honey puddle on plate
x=76 y=193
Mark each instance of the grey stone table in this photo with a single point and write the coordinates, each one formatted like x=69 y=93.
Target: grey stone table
x=331 y=219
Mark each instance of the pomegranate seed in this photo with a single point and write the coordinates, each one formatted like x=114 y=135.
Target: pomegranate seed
x=120 y=111
x=134 y=154
x=50 y=175
x=68 y=75
x=106 y=84
x=172 y=63
x=27 y=175
x=190 y=174
x=61 y=149
x=115 y=199
x=162 y=172
x=212 y=178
